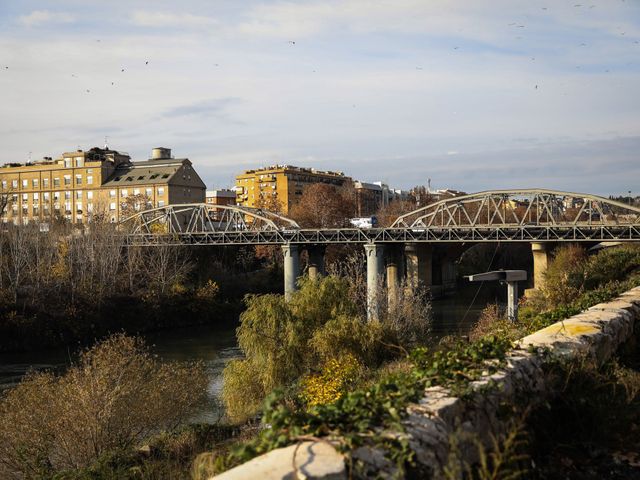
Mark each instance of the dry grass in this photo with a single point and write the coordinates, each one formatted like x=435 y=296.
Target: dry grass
x=115 y=397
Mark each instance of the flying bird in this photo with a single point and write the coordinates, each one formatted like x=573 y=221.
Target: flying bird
x=122 y=70
x=292 y=42
x=147 y=62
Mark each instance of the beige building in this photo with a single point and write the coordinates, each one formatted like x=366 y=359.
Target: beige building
x=99 y=181
x=283 y=184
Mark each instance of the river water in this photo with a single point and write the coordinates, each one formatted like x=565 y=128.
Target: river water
x=215 y=345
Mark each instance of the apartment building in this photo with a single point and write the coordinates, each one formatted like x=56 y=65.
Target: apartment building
x=283 y=184
x=223 y=196
x=100 y=181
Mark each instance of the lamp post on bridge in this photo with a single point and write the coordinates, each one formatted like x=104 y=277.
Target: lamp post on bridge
x=511 y=277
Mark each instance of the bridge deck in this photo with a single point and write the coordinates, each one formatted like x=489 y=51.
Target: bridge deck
x=551 y=233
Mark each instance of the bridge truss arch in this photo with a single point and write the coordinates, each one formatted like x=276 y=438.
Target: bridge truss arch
x=524 y=208
x=197 y=218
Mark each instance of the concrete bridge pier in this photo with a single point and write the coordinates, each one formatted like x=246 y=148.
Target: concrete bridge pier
x=419 y=264
x=394 y=263
x=291 y=269
x=375 y=271
x=316 y=261
x=540 y=262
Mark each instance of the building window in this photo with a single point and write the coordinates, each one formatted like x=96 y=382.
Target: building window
x=112 y=193
x=56 y=196
x=67 y=163
x=36 y=197
x=56 y=182
x=112 y=206
x=124 y=192
x=79 y=161
x=90 y=180
x=45 y=182
x=78 y=179
x=90 y=195
x=67 y=195
x=90 y=207
x=25 y=183
x=67 y=207
x=148 y=192
x=34 y=183
x=45 y=196
x=36 y=211
x=136 y=191
x=160 y=191
x=14 y=183
x=78 y=207
x=78 y=194
x=25 y=197
x=67 y=179
x=161 y=203
x=4 y=184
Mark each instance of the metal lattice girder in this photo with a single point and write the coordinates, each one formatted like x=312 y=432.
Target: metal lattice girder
x=495 y=216
x=526 y=207
x=619 y=233
x=196 y=218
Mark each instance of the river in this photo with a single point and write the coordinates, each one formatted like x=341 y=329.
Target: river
x=215 y=345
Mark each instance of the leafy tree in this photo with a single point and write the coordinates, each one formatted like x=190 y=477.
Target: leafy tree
x=324 y=206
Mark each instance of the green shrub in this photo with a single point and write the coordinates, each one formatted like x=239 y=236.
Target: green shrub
x=282 y=341
x=565 y=275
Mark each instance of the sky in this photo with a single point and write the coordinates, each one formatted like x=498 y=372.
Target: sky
x=473 y=95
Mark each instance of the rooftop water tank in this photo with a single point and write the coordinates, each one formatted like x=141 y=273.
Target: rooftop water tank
x=160 y=153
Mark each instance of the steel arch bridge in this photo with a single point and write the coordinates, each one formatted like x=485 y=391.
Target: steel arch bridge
x=525 y=215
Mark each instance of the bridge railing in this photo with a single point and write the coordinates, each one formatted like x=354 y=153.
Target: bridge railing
x=205 y=218
x=526 y=207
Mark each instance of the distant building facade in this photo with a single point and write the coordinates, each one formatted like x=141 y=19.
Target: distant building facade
x=283 y=184
x=370 y=197
x=101 y=181
x=222 y=196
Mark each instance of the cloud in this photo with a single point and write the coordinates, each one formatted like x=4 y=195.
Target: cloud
x=41 y=17
x=170 y=19
x=203 y=108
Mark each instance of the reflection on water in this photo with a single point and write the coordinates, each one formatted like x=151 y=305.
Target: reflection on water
x=457 y=313
x=215 y=345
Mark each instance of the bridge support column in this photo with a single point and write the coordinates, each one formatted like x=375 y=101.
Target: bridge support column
x=291 y=269
x=316 y=261
x=375 y=270
x=419 y=264
x=540 y=262
x=395 y=274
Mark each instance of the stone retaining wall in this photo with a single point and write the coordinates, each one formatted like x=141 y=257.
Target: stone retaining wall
x=596 y=333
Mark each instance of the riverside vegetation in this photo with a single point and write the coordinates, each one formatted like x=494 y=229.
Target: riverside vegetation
x=69 y=286
x=362 y=409
x=324 y=370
